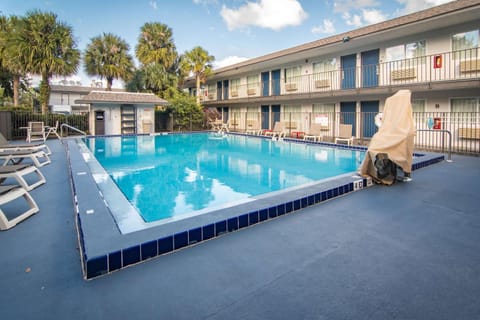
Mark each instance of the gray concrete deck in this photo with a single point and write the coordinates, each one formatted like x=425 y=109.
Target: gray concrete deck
x=409 y=251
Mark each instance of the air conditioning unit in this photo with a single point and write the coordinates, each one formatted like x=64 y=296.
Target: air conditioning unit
x=470 y=66
x=211 y=96
x=251 y=92
x=403 y=74
x=291 y=86
x=234 y=93
x=324 y=83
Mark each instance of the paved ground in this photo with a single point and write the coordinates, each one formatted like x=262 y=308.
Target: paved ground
x=409 y=251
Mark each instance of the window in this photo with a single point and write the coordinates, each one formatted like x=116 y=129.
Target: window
x=291 y=114
x=252 y=113
x=410 y=54
x=234 y=87
x=323 y=108
x=252 y=85
x=293 y=74
x=465 y=45
x=212 y=88
x=324 y=66
x=466 y=111
x=418 y=106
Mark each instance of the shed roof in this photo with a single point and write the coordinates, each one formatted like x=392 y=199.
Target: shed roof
x=121 y=97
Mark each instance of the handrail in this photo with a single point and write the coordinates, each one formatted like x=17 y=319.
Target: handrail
x=72 y=128
x=449 y=140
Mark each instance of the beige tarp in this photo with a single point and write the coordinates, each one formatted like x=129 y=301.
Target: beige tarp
x=394 y=137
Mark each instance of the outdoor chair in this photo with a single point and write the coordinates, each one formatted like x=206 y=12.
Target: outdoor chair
x=278 y=130
x=19 y=171
x=38 y=157
x=5 y=146
x=9 y=193
x=54 y=130
x=344 y=134
x=315 y=132
x=36 y=131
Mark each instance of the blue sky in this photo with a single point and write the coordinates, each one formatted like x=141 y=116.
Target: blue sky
x=230 y=30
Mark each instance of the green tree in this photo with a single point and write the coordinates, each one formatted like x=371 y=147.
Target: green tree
x=47 y=48
x=185 y=111
x=155 y=45
x=107 y=56
x=158 y=56
x=9 y=47
x=199 y=62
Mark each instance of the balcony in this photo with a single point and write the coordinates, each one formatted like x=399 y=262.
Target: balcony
x=459 y=66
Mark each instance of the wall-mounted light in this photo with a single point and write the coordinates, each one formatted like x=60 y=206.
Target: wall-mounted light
x=437 y=106
x=346 y=39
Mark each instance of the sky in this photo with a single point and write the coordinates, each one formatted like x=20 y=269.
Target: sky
x=230 y=30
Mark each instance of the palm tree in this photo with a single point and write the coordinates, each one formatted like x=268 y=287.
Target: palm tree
x=47 y=48
x=155 y=45
x=198 y=62
x=107 y=56
x=9 y=28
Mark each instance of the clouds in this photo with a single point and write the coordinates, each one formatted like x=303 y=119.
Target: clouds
x=327 y=27
x=153 y=4
x=268 y=14
x=227 y=61
x=417 y=5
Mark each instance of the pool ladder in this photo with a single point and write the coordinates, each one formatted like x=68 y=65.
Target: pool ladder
x=65 y=125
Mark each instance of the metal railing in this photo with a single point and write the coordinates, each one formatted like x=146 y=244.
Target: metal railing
x=67 y=126
x=448 y=66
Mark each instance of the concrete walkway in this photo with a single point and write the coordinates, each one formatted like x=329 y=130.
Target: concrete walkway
x=409 y=251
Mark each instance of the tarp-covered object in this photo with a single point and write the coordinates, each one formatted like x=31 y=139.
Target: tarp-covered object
x=393 y=141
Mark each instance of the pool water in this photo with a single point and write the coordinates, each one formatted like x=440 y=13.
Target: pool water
x=166 y=176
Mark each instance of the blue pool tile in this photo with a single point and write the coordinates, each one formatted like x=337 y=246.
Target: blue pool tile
x=232 y=224
x=272 y=212
x=208 y=231
x=329 y=194
x=297 y=205
x=165 y=245
x=149 y=250
x=114 y=261
x=131 y=255
x=281 y=209
x=318 y=197
x=96 y=267
x=304 y=202
x=180 y=240
x=243 y=221
x=311 y=200
x=335 y=192
x=324 y=195
x=220 y=227
x=194 y=235
x=253 y=217
x=288 y=207
x=263 y=215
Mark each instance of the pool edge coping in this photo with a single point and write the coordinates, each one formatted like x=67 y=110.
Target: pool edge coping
x=103 y=249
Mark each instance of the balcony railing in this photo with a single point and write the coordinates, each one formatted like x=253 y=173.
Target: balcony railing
x=463 y=126
x=448 y=66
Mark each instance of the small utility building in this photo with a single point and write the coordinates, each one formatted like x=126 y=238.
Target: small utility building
x=113 y=113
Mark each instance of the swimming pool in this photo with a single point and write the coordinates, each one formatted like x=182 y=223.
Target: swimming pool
x=170 y=176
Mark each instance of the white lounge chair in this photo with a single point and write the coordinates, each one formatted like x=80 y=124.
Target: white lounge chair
x=39 y=158
x=315 y=132
x=278 y=130
x=344 y=134
x=19 y=171
x=9 y=193
x=252 y=127
x=5 y=146
x=36 y=131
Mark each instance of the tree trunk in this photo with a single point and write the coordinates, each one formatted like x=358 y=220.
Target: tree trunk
x=197 y=77
x=109 y=83
x=16 y=85
x=44 y=93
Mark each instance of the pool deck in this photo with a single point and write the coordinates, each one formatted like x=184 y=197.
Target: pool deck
x=409 y=251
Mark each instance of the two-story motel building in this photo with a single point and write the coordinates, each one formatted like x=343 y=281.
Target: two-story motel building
x=346 y=78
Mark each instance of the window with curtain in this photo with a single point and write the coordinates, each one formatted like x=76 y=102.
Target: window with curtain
x=408 y=55
x=253 y=113
x=465 y=45
x=466 y=111
x=252 y=85
x=212 y=89
x=418 y=109
x=323 y=113
x=292 y=113
x=234 y=87
x=324 y=68
x=292 y=75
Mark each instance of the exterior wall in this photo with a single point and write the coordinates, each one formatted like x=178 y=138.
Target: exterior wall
x=145 y=118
